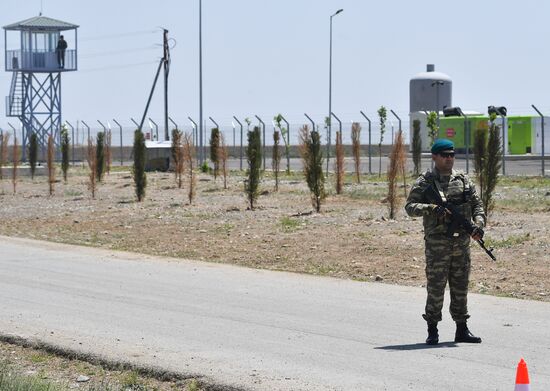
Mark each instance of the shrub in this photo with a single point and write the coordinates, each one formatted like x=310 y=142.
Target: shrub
x=416 y=147
x=33 y=153
x=64 y=152
x=312 y=158
x=177 y=155
x=51 y=164
x=493 y=163
x=91 y=158
x=254 y=159
x=138 y=169
x=189 y=159
x=397 y=164
x=214 y=150
x=100 y=156
x=383 y=115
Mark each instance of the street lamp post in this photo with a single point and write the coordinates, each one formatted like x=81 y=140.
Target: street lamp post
x=330 y=89
x=288 y=142
x=542 y=139
x=241 y=148
x=501 y=111
x=466 y=137
x=121 y=150
x=437 y=83
x=370 y=152
x=263 y=136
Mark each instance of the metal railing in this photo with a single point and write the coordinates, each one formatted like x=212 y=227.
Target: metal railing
x=39 y=61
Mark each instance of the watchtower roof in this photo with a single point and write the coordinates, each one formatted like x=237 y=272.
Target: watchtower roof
x=41 y=23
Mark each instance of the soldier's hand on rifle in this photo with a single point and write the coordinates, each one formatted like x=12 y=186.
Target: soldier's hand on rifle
x=440 y=211
x=477 y=233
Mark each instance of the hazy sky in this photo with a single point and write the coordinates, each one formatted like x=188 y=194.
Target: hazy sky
x=264 y=57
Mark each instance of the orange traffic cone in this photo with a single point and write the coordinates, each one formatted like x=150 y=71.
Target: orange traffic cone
x=522 y=377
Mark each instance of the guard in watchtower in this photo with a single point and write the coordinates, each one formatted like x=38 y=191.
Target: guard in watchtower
x=60 y=49
x=447 y=253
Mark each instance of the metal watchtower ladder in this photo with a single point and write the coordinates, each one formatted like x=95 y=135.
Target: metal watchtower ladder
x=36 y=60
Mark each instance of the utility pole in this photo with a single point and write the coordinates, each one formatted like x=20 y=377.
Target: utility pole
x=166 y=61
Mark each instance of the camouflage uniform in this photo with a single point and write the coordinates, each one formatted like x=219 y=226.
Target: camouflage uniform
x=447 y=258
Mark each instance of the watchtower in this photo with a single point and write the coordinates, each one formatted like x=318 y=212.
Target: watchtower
x=37 y=56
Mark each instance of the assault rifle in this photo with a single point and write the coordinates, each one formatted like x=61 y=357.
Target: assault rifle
x=457 y=219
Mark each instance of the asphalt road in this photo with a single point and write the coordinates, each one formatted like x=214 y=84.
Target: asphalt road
x=260 y=330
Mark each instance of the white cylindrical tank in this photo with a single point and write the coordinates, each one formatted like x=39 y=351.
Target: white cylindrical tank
x=430 y=91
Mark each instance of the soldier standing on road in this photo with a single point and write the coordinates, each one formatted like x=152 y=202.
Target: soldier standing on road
x=447 y=256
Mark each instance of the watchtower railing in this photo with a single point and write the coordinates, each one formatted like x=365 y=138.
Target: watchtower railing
x=39 y=61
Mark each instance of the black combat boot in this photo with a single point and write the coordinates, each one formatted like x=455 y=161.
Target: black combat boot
x=433 y=335
x=464 y=335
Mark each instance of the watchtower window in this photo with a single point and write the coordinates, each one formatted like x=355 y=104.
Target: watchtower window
x=45 y=42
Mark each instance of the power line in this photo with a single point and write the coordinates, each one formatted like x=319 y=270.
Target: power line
x=119 y=35
x=115 y=52
x=118 y=67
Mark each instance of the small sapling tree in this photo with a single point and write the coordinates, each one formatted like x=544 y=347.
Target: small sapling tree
x=356 y=147
x=189 y=159
x=50 y=162
x=214 y=150
x=33 y=153
x=91 y=158
x=284 y=134
x=276 y=158
x=254 y=159
x=433 y=133
x=382 y=115
x=177 y=155
x=138 y=169
x=493 y=163
x=222 y=157
x=64 y=152
x=416 y=147
x=100 y=158
x=312 y=158
x=397 y=163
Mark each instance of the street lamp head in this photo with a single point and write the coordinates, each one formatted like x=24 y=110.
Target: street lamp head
x=501 y=110
x=452 y=112
x=337 y=12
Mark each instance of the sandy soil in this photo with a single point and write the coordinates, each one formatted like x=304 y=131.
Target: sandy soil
x=351 y=237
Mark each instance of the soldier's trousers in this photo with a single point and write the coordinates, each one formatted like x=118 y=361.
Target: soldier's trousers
x=447 y=259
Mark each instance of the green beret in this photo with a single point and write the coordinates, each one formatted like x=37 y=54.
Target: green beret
x=442 y=144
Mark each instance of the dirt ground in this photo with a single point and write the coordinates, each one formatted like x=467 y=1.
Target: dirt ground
x=351 y=237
